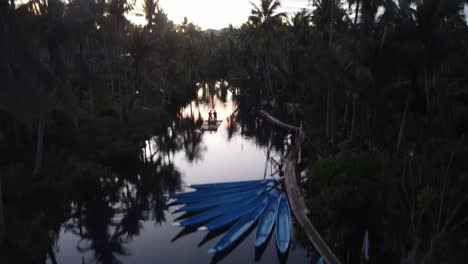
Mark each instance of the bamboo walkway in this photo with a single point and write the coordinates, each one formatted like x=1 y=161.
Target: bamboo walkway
x=294 y=195
x=276 y=121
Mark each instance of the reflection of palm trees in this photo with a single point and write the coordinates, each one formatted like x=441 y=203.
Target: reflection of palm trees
x=133 y=205
x=191 y=139
x=232 y=126
x=255 y=127
x=110 y=210
x=97 y=222
x=212 y=91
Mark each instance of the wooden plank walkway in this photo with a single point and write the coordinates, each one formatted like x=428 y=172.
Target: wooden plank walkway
x=276 y=121
x=295 y=197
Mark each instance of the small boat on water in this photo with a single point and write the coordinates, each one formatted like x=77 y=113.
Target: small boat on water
x=203 y=205
x=213 y=213
x=232 y=216
x=267 y=221
x=223 y=185
x=215 y=191
x=241 y=226
x=204 y=197
x=217 y=205
x=283 y=225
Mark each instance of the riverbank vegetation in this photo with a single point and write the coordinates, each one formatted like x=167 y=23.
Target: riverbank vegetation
x=380 y=88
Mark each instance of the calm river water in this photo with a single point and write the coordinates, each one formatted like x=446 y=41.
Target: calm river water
x=232 y=153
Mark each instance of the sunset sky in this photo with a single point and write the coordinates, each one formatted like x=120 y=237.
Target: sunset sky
x=214 y=14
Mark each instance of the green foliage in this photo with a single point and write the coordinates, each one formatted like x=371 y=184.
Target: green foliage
x=350 y=195
x=379 y=86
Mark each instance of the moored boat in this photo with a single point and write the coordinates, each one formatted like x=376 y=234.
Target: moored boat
x=228 y=218
x=267 y=221
x=283 y=225
x=241 y=226
x=213 y=213
x=213 y=191
x=216 y=195
x=228 y=184
x=203 y=205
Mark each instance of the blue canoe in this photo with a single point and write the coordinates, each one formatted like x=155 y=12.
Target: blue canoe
x=283 y=225
x=237 y=230
x=215 y=191
x=203 y=205
x=217 y=195
x=228 y=184
x=215 y=212
x=228 y=218
x=267 y=221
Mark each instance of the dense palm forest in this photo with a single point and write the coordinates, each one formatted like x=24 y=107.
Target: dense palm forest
x=380 y=87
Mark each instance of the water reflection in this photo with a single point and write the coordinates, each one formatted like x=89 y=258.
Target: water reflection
x=122 y=216
x=110 y=210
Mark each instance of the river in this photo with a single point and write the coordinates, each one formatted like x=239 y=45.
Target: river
x=235 y=152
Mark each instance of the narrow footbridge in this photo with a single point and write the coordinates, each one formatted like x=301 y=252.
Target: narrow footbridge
x=296 y=201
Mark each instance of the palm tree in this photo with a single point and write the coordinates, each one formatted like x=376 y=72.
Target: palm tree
x=266 y=14
x=150 y=7
x=264 y=18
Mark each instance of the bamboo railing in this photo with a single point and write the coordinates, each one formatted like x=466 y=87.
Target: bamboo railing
x=296 y=201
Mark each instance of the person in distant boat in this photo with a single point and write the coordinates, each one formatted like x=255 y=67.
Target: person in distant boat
x=210 y=116
x=215 y=115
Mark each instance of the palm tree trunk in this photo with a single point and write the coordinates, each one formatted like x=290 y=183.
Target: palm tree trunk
x=121 y=102
x=330 y=29
x=426 y=89
x=353 y=119
x=91 y=101
x=332 y=117
x=52 y=257
x=327 y=117
x=345 y=116
x=268 y=82
x=2 y=219
x=369 y=127
x=40 y=145
x=357 y=12
x=402 y=126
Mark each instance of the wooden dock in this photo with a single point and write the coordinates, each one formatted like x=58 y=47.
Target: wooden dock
x=210 y=125
x=294 y=195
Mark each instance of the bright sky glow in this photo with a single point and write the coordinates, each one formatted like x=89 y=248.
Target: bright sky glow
x=214 y=14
